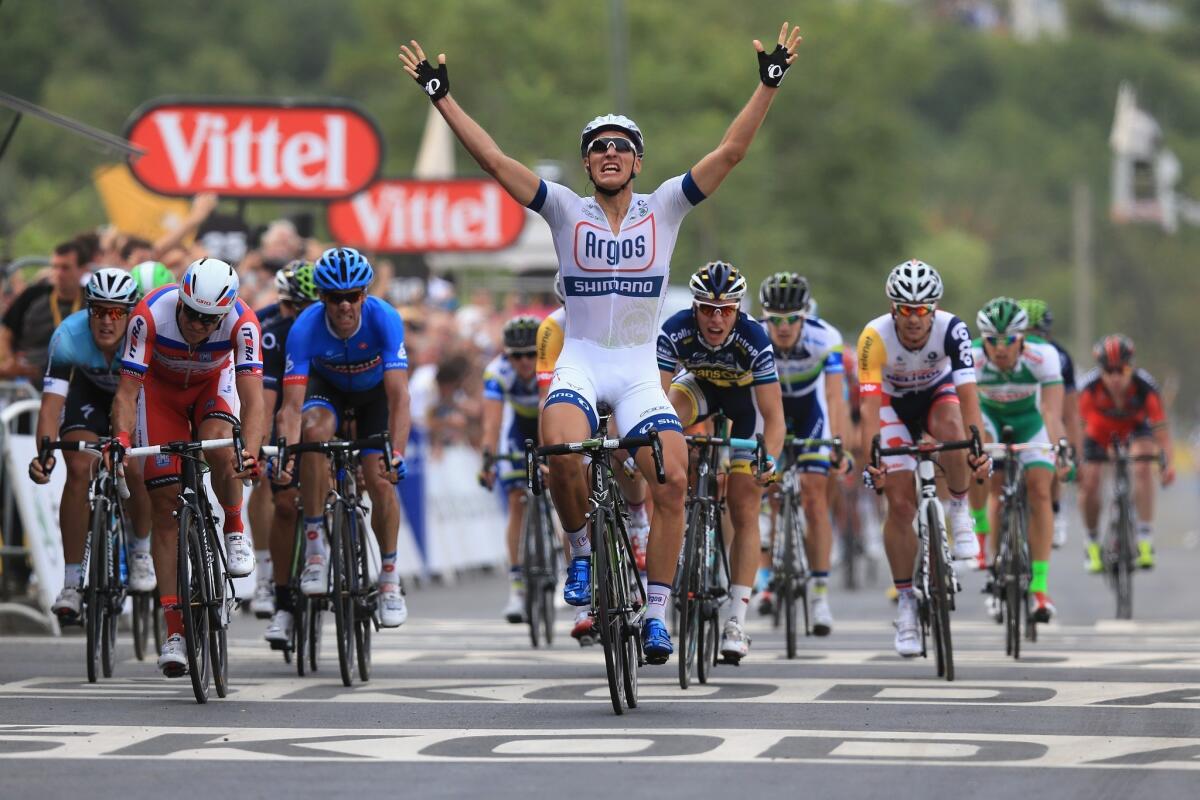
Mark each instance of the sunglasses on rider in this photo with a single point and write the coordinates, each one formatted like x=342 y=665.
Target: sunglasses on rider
x=113 y=313
x=711 y=310
x=521 y=354
x=337 y=298
x=1008 y=340
x=922 y=310
x=1117 y=370
x=783 y=319
x=602 y=143
x=203 y=319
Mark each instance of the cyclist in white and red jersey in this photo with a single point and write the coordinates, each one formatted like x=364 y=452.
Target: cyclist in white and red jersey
x=614 y=252
x=192 y=362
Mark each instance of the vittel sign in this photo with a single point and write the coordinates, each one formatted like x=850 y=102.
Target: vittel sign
x=415 y=216
x=263 y=149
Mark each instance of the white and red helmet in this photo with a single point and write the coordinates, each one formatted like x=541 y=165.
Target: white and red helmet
x=209 y=286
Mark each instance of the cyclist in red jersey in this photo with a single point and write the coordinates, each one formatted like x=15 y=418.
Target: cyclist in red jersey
x=1119 y=401
x=192 y=363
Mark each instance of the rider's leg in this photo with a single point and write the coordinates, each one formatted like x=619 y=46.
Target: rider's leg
x=228 y=489
x=283 y=533
x=385 y=514
x=260 y=509
x=1144 y=485
x=744 y=497
x=1039 y=480
x=317 y=424
x=1091 y=474
x=74 y=511
x=814 y=498
x=666 y=525
x=563 y=422
x=945 y=424
x=164 y=548
x=899 y=541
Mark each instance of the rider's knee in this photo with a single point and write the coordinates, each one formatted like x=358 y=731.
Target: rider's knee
x=902 y=509
x=284 y=503
x=316 y=426
x=671 y=493
x=79 y=469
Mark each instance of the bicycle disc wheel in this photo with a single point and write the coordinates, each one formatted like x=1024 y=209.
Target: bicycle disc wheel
x=193 y=600
x=341 y=594
x=939 y=585
x=218 y=620
x=607 y=616
x=689 y=600
x=141 y=624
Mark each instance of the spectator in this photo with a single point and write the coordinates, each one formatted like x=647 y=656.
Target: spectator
x=135 y=251
x=447 y=418
x=27 y=325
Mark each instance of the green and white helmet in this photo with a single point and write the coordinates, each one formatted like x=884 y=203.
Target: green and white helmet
x=149 y=275
x=1001 y=316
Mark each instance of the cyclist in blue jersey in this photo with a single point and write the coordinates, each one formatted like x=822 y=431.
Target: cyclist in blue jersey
x=510 y=405
x=714 y=359
x=340 y=353
x=808 y=355
x=614 y=251
x=81 y=376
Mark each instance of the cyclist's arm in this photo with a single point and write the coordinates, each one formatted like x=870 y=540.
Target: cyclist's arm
x=769 y=398
x=835 y=401
x=49 y=416
x=1156 y=418
x=250 y=393
x=1052 y=407
x=1072 y=422
x=395 y=385
x=968 y=401
x=493 y=413
x=269 y=398
x=716 y=166
x=124 y=407
x=287 y=419
x=517 y=179
x=666 y=381
x=872 y=355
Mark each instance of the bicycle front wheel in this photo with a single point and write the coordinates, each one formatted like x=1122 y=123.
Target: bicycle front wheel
x=364 y=610
x=689 y=596
x=218 y=619
x=1123 y=568
x=141 y=624
x=608 y=616
x=341 y=562
x=940 y=583
x=194 y=597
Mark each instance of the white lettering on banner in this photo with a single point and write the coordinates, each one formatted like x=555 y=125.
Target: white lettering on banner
x=245 y=158
x=403 y=218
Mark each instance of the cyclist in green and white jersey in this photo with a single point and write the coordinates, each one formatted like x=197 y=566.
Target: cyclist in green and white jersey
x=1020 y=386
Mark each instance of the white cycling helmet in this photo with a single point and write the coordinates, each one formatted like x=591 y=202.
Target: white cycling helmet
x=111 y=285
x=914 y=282
x=209 y=286
x=611 y=122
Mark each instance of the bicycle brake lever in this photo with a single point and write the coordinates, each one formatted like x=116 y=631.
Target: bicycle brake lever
x=44 y=452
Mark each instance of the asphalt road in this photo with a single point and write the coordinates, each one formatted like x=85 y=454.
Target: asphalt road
x=459 y=704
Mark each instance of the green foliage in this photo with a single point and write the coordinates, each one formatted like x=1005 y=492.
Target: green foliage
x=895 y=136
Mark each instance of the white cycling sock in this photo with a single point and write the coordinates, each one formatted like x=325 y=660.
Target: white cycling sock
x=739 y=598
x=72 y=575
x=141 y=545
x=263 y=558
x=1145 y=531
x=581 y=542
x=314 y=541
x=658 y=597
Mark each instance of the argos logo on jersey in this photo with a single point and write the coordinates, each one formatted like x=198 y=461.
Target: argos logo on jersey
x=577 y=286
x=596 y=249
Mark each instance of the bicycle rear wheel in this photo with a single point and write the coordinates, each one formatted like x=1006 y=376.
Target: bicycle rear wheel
x=141 y=624
x=607 y=615
x=940 y=581
x=194 y=597
x=316 y=622
x=364 y=607
x=688 y=598
x=218 y=614
x=300 y=631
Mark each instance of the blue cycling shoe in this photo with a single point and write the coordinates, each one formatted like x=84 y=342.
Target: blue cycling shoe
x=656 y=642
x=578 y=589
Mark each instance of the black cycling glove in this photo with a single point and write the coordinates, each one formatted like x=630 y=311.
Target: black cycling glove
x=433 y=80
x=773 y=66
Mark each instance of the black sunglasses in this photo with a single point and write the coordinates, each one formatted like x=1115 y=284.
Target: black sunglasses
x=337 y=298
x=203 y=319
x=522 y=354
x=601 y=145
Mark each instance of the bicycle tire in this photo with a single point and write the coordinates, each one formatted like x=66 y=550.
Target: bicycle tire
x=364 y=613
x=623 y=577
x=787 y=597
x=546 y=612
x=341 y=594
x=553 y=566
x=193 y=601
x=939 y=580
x=689 y=605
x=160 y=624
x=299 y=642
x=531 y=570
x=1124 y=565
x=606 y=618
x=141 y=624
x=92 y=593
x=1012 y=583
x=316 y=623
x=218 y=614
x=113 y=597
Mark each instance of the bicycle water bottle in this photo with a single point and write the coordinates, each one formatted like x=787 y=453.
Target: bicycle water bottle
x=122 y=566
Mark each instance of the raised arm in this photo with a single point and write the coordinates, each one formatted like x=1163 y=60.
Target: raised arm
x=516 y=178
x=714 y=167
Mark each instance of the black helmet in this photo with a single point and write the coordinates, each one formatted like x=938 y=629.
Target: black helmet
x=717 y=280
x=520 y=333
x=785 y=291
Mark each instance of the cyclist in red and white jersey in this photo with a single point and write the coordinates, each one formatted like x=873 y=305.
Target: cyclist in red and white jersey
x=614 y=252
x=192 y=364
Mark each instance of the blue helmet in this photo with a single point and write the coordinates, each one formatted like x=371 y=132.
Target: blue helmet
x=342 y=268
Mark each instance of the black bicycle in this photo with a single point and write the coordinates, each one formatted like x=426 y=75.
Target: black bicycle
x=352 y=594
x=541 y=557
x=933 y=576
x=105 y=571
x=205 y=589
x=790 y=571
x=618 y=595
x=1120 y=543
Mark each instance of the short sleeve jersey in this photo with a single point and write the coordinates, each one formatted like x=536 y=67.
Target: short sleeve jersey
x=355 y=364
x=274 y=344
x=885 y=366
x=549 y=345
x=745 y=358
x=500 y=383
x=615 y=284
x=817 y=353
x=1064 y=360
x=155 y=347
x=1103 y=417
x=73 y=354
x=1016 y=392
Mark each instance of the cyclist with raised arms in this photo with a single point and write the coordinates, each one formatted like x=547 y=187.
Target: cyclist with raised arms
x=297 y=292
x=510 y=415
x=192 y=363
x=808 y=357
x=1021 y=386
x=1117 y=400
x=82 y=372
x=614 y=252
x=341 y=352
x=716 y=359
x=917 y=377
